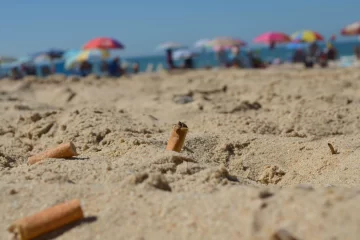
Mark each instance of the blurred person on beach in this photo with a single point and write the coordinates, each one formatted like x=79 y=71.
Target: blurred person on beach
x=45 y=71
x=323 y=59
x=255 y=61
x=115 y=69
x=357 y=52
x=221 y=57
x=189 y=63
x=15 y=74
x=235 y=59
x=314 y=50
x=331 y=51
x=312 y=55
x=136 y=67
x=299 y=56
x=28 y=70
x=85 y=68
x=169 y=59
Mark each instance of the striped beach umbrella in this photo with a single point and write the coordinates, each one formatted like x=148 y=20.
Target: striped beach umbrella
x=87 y=55
x=306 y=36
x=352 y=29
x=226 y=42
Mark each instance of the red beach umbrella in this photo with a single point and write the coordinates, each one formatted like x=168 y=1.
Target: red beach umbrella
x=103 y=43
x=352 y=29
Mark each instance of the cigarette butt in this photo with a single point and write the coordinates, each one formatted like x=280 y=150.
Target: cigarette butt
x=177 y=138
x=65 y=150
x=332 y=149
x=47 y=220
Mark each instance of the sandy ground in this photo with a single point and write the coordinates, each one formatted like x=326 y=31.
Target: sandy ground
x=256 y=160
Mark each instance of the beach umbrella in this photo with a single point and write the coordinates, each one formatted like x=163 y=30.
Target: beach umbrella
x=103 y=43
x=87 y=55
x=183 y=54
x=6 y=59
x=169 y=45
x=226 y=42
x=202 y=43
x=351 y=30
x=306 y=36
x=272 y=37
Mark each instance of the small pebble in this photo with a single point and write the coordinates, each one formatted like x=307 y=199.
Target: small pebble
x=282 y=235
x=35 y=117
x=13 y=192
x=265 y=194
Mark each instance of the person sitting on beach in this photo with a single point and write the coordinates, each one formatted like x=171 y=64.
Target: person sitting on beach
x=235 y=60
x=255 y=61
x=85 y=68
x=312 y=55
x=114 y=68
x=169 y=59
x=323 y=59
x=357 y=52
x=189 y=63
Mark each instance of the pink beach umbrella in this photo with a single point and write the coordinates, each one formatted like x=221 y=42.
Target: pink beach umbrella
x=103 y=43
x=272 y=37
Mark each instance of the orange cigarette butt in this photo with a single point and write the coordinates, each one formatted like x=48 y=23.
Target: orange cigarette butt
x=65 y=150
x=177 y=138
x=47 y=220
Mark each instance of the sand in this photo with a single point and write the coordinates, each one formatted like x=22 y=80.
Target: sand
x=256 y=160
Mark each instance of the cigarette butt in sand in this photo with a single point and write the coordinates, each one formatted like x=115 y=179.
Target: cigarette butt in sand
x=47 y=220
x=177 y=138
x=332 y=149
x=65 y=150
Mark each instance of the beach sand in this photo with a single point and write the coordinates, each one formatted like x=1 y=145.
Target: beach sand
x=256 y=160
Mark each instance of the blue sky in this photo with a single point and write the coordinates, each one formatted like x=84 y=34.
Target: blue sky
x=33 y=25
